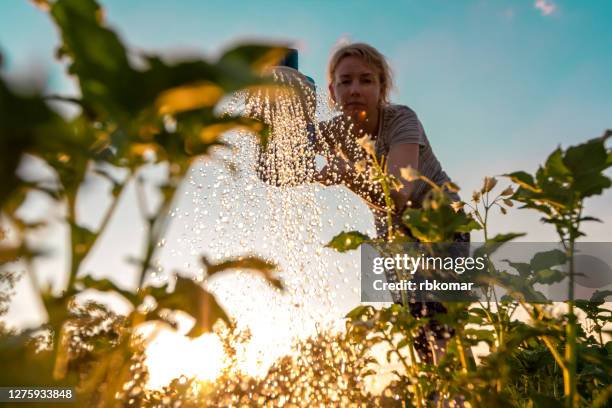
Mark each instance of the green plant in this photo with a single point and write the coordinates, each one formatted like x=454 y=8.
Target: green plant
x=536 y=363
x=129 y=117
x=558 y=192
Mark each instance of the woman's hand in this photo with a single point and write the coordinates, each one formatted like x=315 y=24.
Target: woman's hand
x=342 y=170
x=338 y=170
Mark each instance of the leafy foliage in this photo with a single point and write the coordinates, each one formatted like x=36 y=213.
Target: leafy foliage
x=131 y=113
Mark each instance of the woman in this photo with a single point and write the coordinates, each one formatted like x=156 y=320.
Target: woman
x=359 y=83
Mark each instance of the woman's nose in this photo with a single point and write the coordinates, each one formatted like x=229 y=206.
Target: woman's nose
x=354 y=89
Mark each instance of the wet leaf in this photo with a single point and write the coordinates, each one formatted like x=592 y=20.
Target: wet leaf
x=359 y=311
x=346 y=241
x=477 y=335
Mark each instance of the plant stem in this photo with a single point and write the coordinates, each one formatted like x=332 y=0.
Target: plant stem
x=569 y=375
x=74 y=258
x=157 y=225
x=549 y=344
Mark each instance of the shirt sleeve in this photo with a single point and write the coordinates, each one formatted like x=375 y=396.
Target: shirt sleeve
x=405 y=127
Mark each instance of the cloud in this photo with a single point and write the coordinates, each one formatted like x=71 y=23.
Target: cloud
x=546 y=7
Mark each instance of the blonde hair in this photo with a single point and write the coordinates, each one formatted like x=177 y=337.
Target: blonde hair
x=372 y=57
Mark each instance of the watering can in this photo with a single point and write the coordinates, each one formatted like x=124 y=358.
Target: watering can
x=302 y=92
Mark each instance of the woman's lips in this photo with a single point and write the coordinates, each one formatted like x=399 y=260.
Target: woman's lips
x=355 y=105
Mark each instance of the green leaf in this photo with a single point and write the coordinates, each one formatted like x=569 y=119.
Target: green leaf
x=477 y=335
x=547 y=259
x=469 y=226
x=601 y=295
x=524 y=269
x=437 y=221
x=192 y=299
x=493 y=244
x=591 y=184
x=253 y=263
x=346 y=241
x=359 y=311
x=587 y=158
x=82 y=239
x=554 y=164
x=588 y=218
x=98 y=58
x=26 y=121
x=549 y=276
x=506 y=237
x=106 y=285
x=524 y=180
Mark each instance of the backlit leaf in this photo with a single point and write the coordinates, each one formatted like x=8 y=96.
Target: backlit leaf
x=192 y=299
x=346 y=241
x=188 y=97
x=253 y=263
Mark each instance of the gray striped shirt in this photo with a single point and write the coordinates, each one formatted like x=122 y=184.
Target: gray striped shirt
x=400 y=125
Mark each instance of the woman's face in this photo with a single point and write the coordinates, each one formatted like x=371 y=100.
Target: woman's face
x=356 y=88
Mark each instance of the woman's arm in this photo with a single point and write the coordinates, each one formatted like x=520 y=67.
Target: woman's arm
x=341 y=170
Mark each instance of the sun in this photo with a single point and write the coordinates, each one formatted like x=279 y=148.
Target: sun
x=171 y=355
